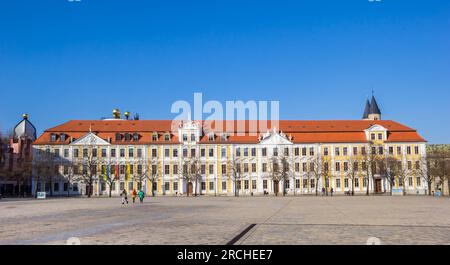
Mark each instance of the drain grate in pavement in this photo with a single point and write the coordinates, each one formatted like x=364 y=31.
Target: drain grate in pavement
x=240 y=235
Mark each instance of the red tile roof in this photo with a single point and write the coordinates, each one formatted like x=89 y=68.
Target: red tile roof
x=324 y=131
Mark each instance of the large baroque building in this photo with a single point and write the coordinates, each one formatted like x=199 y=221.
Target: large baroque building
x=297 y=157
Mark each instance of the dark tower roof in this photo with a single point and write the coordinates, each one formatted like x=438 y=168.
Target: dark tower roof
x=366 y=110
x=374 y=109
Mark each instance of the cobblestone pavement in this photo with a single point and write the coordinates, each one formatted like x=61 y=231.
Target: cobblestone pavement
x=217 y=220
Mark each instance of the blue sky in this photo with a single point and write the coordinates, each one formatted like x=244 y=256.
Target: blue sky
x=321 y=59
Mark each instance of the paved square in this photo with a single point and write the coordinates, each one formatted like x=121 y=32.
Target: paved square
x=217 y=220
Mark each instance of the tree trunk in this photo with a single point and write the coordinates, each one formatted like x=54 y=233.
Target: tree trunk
x=68 y=189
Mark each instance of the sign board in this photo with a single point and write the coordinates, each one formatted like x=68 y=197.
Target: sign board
x=398 y=191
x=41 y=195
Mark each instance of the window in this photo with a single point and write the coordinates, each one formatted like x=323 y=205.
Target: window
x=103 y=152
x=211 y=169
x=380 y=136
x=154 y=152
x=66 y=186
x=175 y=186
x=135 y=137
x=122 y=152
x=211 y=152
x=380 y=150
x=224 y=137
x=399 y=150
x=410 y=181
x=363 y=151
x=304 y=151
x=296 y=151
x=338 y=183
x=167 y=169
x=66 y=170
x=85 y=152
x=355 y=151
x=154 y=137
x=167 y=186
x=305 y=167
x=139 y=169
x=253 y=151
x=53 y=137
x=238 y=151
x=224 y=169
x=372 y=136
x=265 y=184
x=297 y=183
x=94 y=152
x=417 y=165
x=312 y=184
x=364 y=182
x=211 y=185
x=418 y=181
x=337 y=151
x=211 y=137
x=185 y=137
x=175 y=169
x=408 y=150
x=253 y=167
x=62 y=137
x=416 y=150
x=175 y=152
x=325 y=151
x=245 y=167
x=338 y=166
x=246 y=184
x=56 y=152
x=345 y=151
x=224 y=152
x=311 y=151
x=75 y=187
x=355 y=166
x=275 y=151
x=238 y=185
x=203 y=169
x=127 y=137
x=224 y=185
x=409 y=165
x=202 y=152
x=254 y=184
x=131 y=152
x=192 y=137
x=305 y=183
x=66 y=153
x=203 y=185
x=167 y=137
x=264 y=167
x=192 y=152
x=139 y=152
x=167 y=152
x=356 y=182
x=264 y=151
x=345 y=166
x=118 y=137
x=286 y=151
x=56 y=187
x=113 y=152
x=287 y=184
x=185 y=152
x=297 y=167
x=391 y=150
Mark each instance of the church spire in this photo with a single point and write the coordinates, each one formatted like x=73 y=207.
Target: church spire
x=366 y=110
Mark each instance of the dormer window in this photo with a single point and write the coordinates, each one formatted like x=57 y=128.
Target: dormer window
x=118 y=137
x=372 y=136
x=155 y=137
x=62 y=137
x=380 y=136
x=224 y=137
x=135 y=137
x=167 y=137
x=211 y=137
x=53 y=137
x=127 y=137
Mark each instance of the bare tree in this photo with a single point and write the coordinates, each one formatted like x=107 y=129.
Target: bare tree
x=275 y=173
x=236 y=168
x=191 y=173
x=316 y=168
x=439 y=165
x=143 y=169
x=43 y=167
x=89 y=165
x=354 y=171
x=369 y=160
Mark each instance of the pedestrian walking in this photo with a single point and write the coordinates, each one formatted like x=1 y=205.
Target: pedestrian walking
x=323 y=191
x=141 y=196
x=332 y=190
x=134 y=195
x=123 y=194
